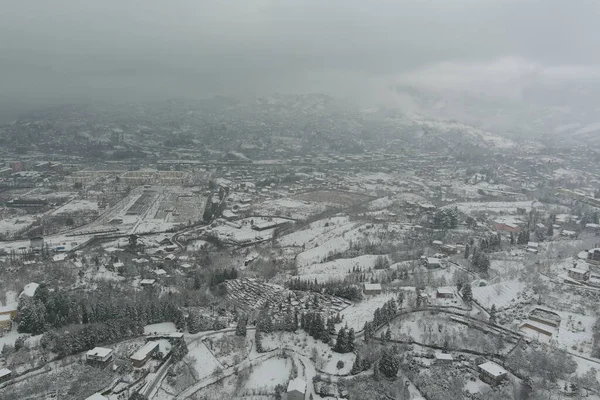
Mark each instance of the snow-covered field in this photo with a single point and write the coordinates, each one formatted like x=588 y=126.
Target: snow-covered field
x=11 y=226
x=337 y=241
x=317 y=232
x=336 y=269
x=357 y=314
x=506 y=207
x=204 y=363
x=502 y=294
x=291 y=208
x=163 y=327
x=304 y=344
x=270 y=373
x=76 y=206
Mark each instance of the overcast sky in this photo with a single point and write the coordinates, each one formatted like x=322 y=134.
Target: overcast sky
x=53 y=52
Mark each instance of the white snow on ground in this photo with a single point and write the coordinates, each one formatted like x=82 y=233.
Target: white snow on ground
x=502 y=294
x=76 y=206
x=357 y=314
x=315 y=232
x=11 y=226
x=336 y=269
x=270 y=373
x=493 y=206
x=204 y=361
x=286 y=207
x=336 y=243
x=163 y=327
x=304 y=344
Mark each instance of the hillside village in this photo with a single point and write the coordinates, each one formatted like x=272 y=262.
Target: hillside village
x=179 y=253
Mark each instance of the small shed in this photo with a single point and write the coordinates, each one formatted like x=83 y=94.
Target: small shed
x=491 y=373
x=296 y=389
x=443 y=358
x=372 y=288
x=444 y=293
x=5 y=374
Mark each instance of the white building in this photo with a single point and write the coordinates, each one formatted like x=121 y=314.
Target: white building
x=296 y=389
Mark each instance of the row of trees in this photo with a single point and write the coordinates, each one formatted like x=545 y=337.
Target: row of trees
x=445 y=218
x=51 y=310
x=345 y=341
x=339 y=289
x=382 y=315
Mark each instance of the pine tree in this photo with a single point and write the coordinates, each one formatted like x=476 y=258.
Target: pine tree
x=493 y=313
x=389 y=363
x=467 y=250
x=376 y=374
x=388 y=335
x=258 y=341
x=357 y=366
x=240 y=329
x=467 y=292
x=341 y=344
x=351 y=338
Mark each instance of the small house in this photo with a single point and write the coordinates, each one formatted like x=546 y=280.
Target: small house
x=593 y=255
x=10 y=310
x=533 y=247
x=143 y=354
x=147 y=282
x=579 y=274
x=444 y=293
x=97 y=396
x=5 y=375
x=296 y=389
x=491 y=373
x=5 y=323
x=99 y=356
x=506 y=227
x=433 y=263
x=569 y=234
x=372 y=288
x=36 y=243
x=443 y=358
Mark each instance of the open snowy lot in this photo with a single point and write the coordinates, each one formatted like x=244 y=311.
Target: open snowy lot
x=76 y=206
x=502 y=294
x=324 y=358
x=357 y=314
x=336 y=269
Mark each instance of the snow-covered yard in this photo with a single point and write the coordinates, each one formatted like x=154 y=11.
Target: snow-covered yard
x=270 y=373
x=324 y=358
x=357 y=314
x=502 y=294
x=336 y=269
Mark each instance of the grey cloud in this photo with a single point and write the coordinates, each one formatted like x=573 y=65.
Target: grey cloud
x=68 y=50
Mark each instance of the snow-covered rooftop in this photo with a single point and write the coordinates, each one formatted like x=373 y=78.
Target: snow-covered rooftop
x=97 y=396
x=297 y=384
x=143 y=351
x=445 y=290
x=493 y=369
x=444 y=356
x=4 y=372
x=372 y=286
x=99 y=352
x=29 y=289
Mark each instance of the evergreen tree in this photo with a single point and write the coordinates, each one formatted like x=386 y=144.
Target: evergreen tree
x=376 y=373
x=389 y=363
x=258 y=341
x=341 y=344
x=467 y=292
x=351 y=338
x=357 y=366
x=493 y=313
x=242 y=323
x=388 y=335
x=467 y=250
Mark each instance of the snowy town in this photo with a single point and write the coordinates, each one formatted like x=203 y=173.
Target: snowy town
x=388 y=272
